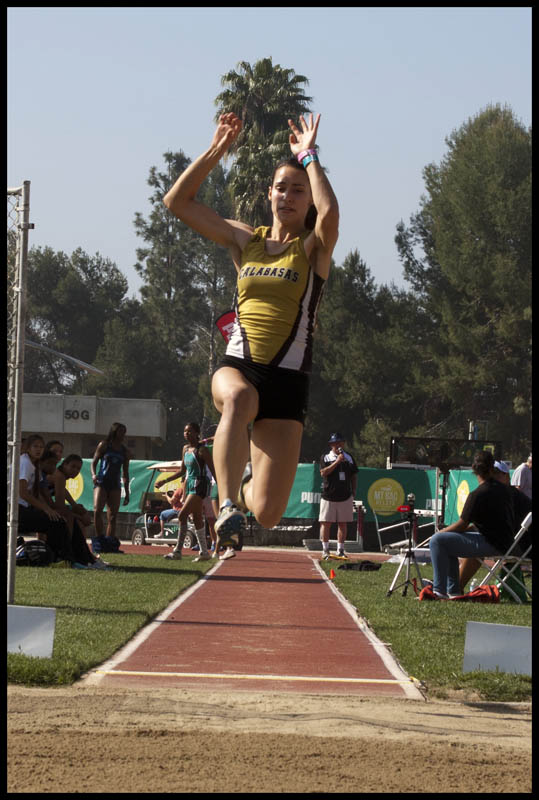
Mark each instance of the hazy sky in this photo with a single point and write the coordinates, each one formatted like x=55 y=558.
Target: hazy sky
x=97 y=95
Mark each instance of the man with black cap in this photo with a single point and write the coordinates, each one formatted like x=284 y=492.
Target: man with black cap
x=338 y=470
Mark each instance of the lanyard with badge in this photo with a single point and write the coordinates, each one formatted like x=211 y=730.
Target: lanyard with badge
x=342 y=473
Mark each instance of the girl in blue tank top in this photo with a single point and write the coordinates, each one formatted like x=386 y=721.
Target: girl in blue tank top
x=114 y=458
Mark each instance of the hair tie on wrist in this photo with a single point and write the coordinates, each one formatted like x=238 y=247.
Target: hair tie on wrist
x=305 y=153
x=307 y=160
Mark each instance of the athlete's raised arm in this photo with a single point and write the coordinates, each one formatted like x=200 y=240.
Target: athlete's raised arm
x=326 y=231
x=181 y=198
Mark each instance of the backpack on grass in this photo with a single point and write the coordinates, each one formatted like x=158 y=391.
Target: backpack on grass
x=482 y=594
x=34 y=554
x=105 y=544
x=361 y=566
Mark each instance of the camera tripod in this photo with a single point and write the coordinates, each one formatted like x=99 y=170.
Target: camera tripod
x=409 y=557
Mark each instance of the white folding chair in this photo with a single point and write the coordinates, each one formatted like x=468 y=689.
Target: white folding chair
x=379 y=531
x=510 y=562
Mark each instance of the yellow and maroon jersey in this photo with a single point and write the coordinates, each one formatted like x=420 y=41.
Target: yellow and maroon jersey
x=277 y=303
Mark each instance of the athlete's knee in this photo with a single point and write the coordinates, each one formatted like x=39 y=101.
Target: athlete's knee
x=239 y=400
x=269 y=514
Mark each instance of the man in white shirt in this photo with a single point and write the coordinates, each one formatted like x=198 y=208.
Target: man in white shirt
x=522 y=477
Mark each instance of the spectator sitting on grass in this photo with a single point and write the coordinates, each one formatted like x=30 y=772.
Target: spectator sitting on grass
x=57 y=500
x=57 y=448
x=35 y=512
x=57 y=480
x=68 y=469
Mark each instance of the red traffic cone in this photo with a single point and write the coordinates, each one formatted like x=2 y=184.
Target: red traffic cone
x=331 y=574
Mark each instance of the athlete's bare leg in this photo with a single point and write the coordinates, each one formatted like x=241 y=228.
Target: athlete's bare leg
x=237 y=400
x=100 y=501
x=275 y=448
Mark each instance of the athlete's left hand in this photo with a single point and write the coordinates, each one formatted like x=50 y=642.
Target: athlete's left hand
x=305 y=138
x=126 y=501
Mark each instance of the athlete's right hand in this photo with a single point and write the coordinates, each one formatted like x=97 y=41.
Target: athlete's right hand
x=228 y=130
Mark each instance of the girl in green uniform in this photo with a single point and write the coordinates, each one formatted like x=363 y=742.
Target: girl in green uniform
x=195 y=457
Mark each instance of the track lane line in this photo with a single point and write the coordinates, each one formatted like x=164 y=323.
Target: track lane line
x=233 y=676
x=95 y=676
x=409 y=683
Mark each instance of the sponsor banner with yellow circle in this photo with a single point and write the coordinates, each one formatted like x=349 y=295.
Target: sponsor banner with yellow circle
x=385 y=496
x=141 y=480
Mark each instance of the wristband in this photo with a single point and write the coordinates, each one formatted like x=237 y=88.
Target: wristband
x=307 y=160
x=305 y=153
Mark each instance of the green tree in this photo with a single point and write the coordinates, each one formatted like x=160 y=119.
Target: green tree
x=69 y=298
x=366 y=357
x=188 y=282
x=166 y=262
x=138 y=364
x=473 y=278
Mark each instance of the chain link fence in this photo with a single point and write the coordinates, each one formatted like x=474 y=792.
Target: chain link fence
x=18 y=213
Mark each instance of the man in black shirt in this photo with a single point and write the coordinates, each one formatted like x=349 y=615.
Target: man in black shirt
x=338 y=470
x=521 y=506
x=490 y=509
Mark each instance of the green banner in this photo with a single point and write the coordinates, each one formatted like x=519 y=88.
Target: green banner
x=461 y=483
x=380 y=490
x=81 y=488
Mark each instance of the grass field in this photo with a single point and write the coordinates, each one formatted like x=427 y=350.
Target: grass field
x=427 y=638
x=99 y=612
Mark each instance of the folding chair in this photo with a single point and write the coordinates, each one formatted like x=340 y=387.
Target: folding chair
x=402 y=542
x=511 y=562
x=387 y=528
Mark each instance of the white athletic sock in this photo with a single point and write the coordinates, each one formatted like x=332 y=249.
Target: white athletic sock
x=201 y=537
x=325 y=547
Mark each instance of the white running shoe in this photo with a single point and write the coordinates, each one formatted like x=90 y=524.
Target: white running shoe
x=100 y=565
x=229 y=553
x=230 y=525
x=176 y=554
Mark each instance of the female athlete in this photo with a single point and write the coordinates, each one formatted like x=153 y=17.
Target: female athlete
x=264 y=377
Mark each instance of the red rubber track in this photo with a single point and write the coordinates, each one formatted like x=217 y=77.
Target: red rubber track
x=269 y=615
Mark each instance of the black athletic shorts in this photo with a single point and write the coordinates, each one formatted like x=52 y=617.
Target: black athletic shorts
x=282 y=393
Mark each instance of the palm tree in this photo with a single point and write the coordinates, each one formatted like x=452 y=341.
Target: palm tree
x=264 y=97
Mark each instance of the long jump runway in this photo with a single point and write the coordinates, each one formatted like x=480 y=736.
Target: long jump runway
x=267 y=621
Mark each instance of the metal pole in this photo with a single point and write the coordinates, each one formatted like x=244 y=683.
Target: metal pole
x=17 y=382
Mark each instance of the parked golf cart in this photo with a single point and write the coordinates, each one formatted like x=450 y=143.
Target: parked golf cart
x=147 y=525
